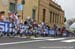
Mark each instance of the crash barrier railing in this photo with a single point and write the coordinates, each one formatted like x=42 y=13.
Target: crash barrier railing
x=6 y=27
x=9 y=29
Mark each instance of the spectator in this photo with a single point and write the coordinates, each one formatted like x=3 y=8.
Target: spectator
x=62 y=30
x=55 y=29
x=2 y=15
x=51 y=32
x=59 y=32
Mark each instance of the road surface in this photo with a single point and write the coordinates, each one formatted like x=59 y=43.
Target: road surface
x=37 y=43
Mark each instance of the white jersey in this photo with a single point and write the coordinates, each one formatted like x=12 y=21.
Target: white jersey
x=15 y=18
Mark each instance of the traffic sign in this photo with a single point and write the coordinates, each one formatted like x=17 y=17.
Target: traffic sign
x=20 y=7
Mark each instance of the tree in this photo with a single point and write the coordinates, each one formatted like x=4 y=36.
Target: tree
x=64 y=19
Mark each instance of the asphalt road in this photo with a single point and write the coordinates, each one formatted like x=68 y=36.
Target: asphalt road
x=37 y=43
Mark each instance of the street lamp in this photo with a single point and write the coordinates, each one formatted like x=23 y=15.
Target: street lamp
x=23 y=3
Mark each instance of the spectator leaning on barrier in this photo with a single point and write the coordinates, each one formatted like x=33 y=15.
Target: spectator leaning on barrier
x=34 y=24
x=62 y=30
x=13 y=17
x=40 y=29
x=43 y=24
x=59 y=32
x=55 y=29
x=51 y=32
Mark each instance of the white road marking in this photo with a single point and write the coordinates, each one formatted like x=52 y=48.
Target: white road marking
x=38 y=38
x=11 y=43
x=20 y=37
x=50 y=39
x=68 y=41
x=56 y=39
x=31 y=37
x=53 y=47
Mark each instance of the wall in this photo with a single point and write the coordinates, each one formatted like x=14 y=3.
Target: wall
x=29 y=5
x=4 y=6
x=57 y=16
x=44 y=4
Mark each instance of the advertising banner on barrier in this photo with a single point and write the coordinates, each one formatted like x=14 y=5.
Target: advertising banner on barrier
x=6 y=26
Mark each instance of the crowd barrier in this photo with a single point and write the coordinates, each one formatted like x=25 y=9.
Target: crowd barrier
x=6 y=26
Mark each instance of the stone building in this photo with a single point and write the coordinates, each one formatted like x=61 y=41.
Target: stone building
x=50 y=12
x=40 y=10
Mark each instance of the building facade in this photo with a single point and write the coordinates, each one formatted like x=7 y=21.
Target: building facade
x=50 y=12
x=41 y=10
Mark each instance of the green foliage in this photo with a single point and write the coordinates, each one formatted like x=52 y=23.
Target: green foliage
x=64 y=19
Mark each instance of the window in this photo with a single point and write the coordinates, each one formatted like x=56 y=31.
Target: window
x=33 y=14
x=58 y=19
x=44 y=12
x=53 y=17
x=12 y=7
x=50 y=17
